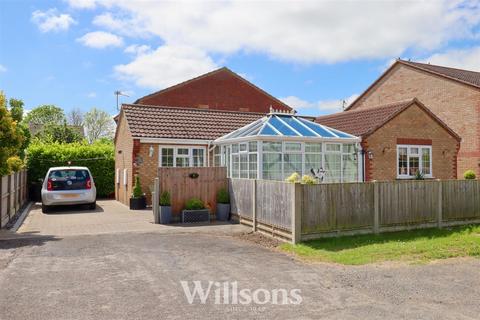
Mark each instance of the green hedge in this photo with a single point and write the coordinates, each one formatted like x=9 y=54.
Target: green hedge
x=98 y=157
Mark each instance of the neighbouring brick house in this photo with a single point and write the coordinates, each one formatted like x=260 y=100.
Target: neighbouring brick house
x=221 y=89
x=453 y=95
x=399 y=139
x=175 y=126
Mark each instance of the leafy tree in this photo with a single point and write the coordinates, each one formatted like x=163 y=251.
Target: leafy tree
x=11 y=137
x=98 y=124
x=75 y=117
x=45 y=114
x=16 y=111
x=59 y=133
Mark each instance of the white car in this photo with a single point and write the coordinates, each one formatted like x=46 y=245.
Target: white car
x=68 y=186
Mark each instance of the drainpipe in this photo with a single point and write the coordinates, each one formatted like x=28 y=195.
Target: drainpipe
x=208 y=152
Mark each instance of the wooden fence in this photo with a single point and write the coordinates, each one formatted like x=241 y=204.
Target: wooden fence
x=186 y=183
x=13 y=192
x=301 y=212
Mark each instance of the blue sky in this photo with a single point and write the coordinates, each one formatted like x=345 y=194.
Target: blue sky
x=76 y=53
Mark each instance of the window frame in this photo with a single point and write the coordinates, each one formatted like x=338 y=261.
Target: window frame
x=189 y=156
x=419 y=155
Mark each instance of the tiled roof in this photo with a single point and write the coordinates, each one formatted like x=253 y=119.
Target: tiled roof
x=465 y=76
x=364 y=121
x=146 y=121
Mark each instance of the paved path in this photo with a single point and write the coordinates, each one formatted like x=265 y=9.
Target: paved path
x=109 y=217
x=115 y=264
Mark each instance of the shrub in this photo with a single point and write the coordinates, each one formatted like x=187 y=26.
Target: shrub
x=137 y=188
x=223 y=196
x=14 y=164
x=194 y=204
x=469 y=175
x=306 y=179
x=293 y=178
x=165 y=199
x=98 y=157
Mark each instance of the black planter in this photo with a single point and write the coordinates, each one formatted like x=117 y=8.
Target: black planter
x=223 y=211
x=165 y=214
x=138 y=203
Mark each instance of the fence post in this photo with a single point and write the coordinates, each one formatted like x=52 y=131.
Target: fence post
x=297 y=208
x=440 y=204
x=254 y=205
x=376 y=206
x=155 y=198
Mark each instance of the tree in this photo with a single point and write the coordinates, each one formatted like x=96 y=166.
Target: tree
x=11 y=137
x=75 y=117
x=16 y=111
x=45 y=114
x=98 y=124
x=59 y=133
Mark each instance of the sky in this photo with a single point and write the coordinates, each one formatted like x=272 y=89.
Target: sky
x=310 y=54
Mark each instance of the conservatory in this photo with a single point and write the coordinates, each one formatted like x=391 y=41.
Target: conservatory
x=279 y=144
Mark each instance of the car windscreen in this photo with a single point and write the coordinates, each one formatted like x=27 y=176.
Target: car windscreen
x=68 y=179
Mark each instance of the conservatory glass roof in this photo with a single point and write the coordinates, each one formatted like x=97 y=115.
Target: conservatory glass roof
x=281 y=124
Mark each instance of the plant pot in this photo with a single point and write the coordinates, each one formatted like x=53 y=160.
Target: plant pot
x=223 y=211
x=165 y=214
x=138 y=203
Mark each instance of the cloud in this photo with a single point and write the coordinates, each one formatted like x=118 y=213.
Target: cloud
x=322 y=106
x=92 y=94
x=100 y=40
x=52 y=20
x=305 y=32
x=165 y=66
x=82 y=4
x=121 y=23
x=458 y=58
x=3 y=68
x=137 y=49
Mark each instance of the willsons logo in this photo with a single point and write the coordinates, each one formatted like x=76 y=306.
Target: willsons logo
x=229 y=293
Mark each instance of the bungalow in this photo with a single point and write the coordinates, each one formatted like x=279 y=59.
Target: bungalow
x=400 y=139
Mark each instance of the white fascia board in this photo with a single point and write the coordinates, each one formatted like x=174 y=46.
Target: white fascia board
x=175 y=141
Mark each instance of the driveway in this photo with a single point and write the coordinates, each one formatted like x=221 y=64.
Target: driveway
x=110 y=216
x=137 y=274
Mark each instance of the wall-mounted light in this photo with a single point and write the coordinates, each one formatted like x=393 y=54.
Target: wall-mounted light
x=370 y=155
x=151 y=151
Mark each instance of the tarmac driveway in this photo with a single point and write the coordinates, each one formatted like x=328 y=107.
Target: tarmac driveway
x=138 y=274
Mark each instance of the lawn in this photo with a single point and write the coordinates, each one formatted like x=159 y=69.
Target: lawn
x=417 y=246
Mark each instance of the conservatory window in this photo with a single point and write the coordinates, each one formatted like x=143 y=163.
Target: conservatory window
x=272 y=166
x=252 y=165
x=413 y=159
x=235 y=165
x=272 y=146
x=243 y=165
x=292 y=159
x=217 y=157
x=333 y=167
x=313 y=157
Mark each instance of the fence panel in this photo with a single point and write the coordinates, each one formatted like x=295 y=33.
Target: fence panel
x=408 y=202
x=461 y=199
x=186 y=183
x=274 y=203
x=334 y=207
x=13 y=195
x=4 y=201
x=241 y=197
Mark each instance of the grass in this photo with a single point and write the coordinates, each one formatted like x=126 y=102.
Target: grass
x=416 y=246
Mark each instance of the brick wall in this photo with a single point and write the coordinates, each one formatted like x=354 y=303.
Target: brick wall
x=412 y=126
x=458 y=105
x=123 y=160
x=221 y=90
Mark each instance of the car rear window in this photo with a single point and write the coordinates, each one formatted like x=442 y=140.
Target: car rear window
x=69 y=179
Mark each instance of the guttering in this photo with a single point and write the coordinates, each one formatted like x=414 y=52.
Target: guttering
x=286 y=138
x=174 y=141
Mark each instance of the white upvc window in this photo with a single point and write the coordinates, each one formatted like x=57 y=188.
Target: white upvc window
x=170 y=156
x=412 y=159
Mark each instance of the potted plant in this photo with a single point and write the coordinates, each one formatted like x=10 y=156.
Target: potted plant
x=165 y=208
x=223 y=205
x=138 y=200
x=195 y=211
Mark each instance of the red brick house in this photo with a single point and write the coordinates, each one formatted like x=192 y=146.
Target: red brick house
x=399 y=139
x=453 y=95
x=221 y=89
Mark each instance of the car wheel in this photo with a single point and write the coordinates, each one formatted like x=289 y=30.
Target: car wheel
x=92 y=206
x=45 y=209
